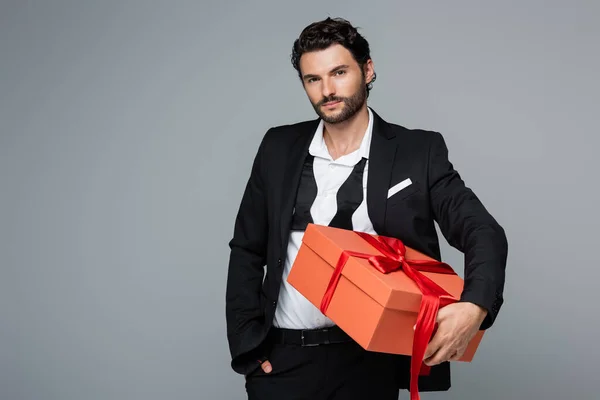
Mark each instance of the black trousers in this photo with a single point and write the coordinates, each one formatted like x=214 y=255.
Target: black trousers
x=340 y=371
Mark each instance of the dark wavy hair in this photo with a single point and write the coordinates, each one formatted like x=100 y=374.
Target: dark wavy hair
x=322 y=34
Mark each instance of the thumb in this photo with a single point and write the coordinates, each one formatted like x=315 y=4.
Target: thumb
x=267 y=367
x=441 y=314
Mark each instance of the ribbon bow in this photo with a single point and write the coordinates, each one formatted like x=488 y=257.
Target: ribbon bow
x=433 y=296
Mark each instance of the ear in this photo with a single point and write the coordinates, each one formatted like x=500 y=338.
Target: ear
x=369 y=70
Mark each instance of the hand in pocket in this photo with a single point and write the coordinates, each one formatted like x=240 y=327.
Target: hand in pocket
x=266 y=366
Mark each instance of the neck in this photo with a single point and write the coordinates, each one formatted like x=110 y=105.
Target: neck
x=345 y=137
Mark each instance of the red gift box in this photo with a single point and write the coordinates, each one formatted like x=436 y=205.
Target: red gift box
x=383 y=294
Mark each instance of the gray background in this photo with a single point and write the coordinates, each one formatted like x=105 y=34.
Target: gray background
x=126 y=134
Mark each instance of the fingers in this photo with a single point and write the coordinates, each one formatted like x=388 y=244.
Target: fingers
x=457 y=355
x=439 y=349
x=449 y=339
x=446 y=352
x=434 y=345
x=443 y=354
x=267 y=367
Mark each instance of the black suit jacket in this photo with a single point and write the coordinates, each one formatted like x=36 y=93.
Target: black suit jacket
x=437 y=193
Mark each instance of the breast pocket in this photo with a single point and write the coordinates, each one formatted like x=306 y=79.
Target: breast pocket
x=403 y=191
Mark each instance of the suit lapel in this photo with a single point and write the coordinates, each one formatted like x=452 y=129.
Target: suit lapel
x=381 y=161
x=293 y=170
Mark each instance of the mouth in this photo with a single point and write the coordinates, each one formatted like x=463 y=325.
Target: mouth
x=331 y=103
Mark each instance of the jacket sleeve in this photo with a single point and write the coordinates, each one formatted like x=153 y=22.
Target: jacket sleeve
x=248 y=251
x=471 y=229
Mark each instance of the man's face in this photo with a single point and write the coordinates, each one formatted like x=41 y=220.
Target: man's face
x=334 y=82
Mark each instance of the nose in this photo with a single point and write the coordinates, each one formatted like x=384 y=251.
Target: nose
x=328 y=88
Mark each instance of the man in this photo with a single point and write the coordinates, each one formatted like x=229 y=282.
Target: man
x=348 y=169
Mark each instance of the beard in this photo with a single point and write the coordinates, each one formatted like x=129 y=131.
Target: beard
x=351 y=105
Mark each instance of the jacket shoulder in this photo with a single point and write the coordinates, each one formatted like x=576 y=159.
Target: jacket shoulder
x=281 y=138
x=416 y=136
x=290 y=132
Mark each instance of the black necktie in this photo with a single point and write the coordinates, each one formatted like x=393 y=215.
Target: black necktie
x=349 y=197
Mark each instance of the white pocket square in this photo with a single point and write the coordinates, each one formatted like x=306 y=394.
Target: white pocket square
x=398 y=187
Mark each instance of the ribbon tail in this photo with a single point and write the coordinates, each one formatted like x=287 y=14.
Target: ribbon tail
x=424 y=328
x=335 y=278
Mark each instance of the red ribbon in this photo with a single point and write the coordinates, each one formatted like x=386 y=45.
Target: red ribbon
x=433 y=296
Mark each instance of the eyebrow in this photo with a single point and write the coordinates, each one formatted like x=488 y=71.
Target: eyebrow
x=307 y=76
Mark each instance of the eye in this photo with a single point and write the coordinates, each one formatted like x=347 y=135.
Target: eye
x=341 y=72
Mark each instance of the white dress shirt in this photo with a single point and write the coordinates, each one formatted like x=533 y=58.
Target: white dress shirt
x=294 y=311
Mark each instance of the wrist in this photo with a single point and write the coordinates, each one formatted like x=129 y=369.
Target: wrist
x=478 y=310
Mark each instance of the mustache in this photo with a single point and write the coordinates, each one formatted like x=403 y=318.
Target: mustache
x=330 y=99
